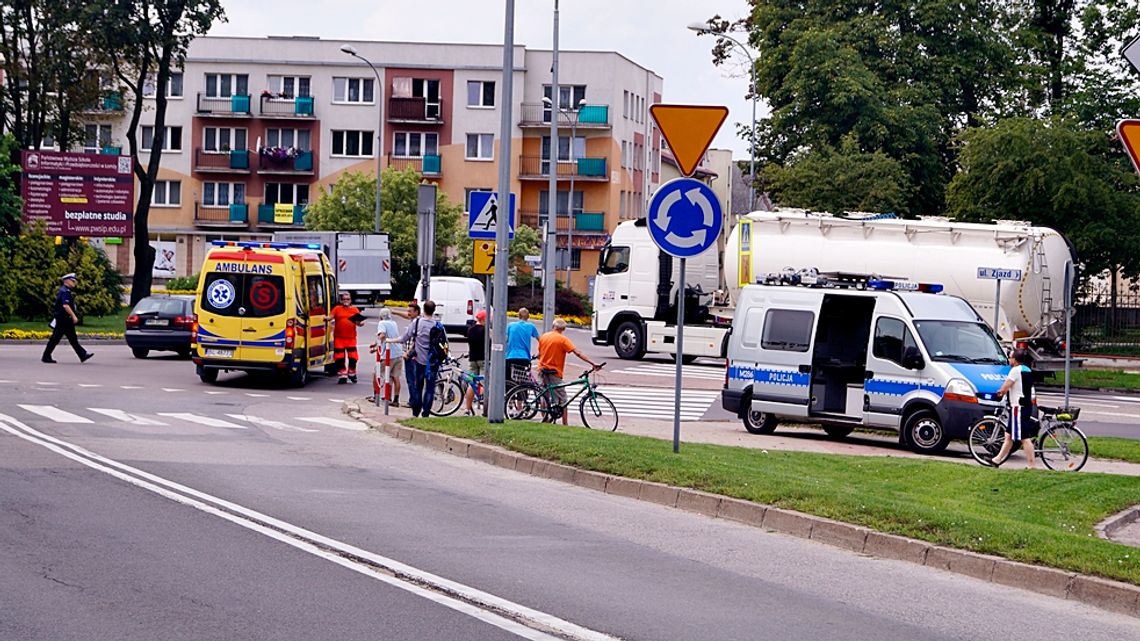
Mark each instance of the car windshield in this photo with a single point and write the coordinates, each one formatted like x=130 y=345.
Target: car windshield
x=615 y=260
x=960 y=342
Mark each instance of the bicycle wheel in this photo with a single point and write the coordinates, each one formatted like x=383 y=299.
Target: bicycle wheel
x=598 y=412
x=525 y=402
x=1063 y=447
x=986 y=438
x=448 y=398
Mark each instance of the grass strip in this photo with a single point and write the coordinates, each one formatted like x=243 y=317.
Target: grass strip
x=1098 y=378
x=1037 y=517
x=1118 y=449
x=111 y=323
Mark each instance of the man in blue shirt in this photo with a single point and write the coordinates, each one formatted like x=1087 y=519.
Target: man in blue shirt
x=519 y=335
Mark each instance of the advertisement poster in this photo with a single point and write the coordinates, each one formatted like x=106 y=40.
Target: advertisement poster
x=79 y=194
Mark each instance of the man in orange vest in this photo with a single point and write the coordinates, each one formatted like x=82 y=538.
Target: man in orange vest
x=346 y=318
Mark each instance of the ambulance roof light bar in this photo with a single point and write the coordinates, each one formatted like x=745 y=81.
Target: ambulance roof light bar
x=254 y=244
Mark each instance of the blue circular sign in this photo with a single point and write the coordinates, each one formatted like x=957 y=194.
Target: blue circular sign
x=684 y=217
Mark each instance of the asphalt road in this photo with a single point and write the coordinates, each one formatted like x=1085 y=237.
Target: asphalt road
x=139 y=503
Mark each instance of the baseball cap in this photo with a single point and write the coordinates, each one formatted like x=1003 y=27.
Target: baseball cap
x=68 y=275
x=481 y=315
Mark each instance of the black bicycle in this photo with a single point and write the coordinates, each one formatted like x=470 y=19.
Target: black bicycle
x=526 y=402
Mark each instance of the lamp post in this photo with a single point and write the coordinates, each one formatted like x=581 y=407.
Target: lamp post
x=702 y=28
x=550 y=232
x=350 y=50
x=573 y=171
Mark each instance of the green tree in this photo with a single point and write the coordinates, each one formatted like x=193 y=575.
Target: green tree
x=11 y=205
x=527 y=242
x=350 y=204
x=9 y=286
x=37 y=268
x=96 y=295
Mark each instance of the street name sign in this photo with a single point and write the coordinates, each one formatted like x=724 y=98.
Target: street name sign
x=998 y=273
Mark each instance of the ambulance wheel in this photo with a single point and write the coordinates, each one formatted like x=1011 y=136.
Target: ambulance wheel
x=330 y=369
x=837 y=431
x=207 y=375
x=759 y=422
x=300 y=377
x=629 y=342
x=924 y=433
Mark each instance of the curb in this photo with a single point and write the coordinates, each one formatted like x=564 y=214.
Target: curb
x=1106 y=528
x=1122 y=598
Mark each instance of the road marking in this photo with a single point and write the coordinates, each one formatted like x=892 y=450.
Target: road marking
x=130 y=387
x=46 y=383
x=299 y=398
x=120 y=415
x=702 y=372
x=217 y=392
x=336 y=400
x=173 y=389
x=334 y=422
x=649 y=402
x=4 y=381
x=202 y=420
x=90 y=385
x=257 y=395
x=277 y=425
x=54 y=413
x=1115 y=414
x=491 y=609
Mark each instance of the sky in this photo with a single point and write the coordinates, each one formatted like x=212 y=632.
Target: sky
x=652 y=33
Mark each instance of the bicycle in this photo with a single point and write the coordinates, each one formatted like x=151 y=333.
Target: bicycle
x=598 y=412
x=1061 y=445
x=450 y=387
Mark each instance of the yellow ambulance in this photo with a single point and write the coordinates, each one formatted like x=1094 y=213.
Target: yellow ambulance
x=264 y=307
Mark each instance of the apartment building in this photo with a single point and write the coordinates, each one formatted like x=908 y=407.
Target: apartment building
x=255 y=127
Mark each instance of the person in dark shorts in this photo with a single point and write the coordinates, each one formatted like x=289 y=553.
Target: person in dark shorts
x=476 y=355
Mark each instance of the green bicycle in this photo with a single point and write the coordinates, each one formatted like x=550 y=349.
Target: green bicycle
x=526 y=401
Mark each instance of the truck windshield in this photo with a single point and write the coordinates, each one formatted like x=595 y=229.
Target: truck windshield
x=960 y=342
x=615 y=259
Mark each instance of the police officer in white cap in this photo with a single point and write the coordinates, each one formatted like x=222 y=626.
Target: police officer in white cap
x=63 y=322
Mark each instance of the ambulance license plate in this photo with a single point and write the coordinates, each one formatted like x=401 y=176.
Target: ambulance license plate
x=219 y=352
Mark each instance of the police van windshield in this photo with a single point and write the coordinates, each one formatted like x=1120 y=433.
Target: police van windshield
x=960 y=342
x=615 y=259
x=244 y=295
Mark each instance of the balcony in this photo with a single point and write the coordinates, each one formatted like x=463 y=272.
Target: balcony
x=588 y=169
x=221 y=162
x=415 y=111
x=283 y=162
x=234 y=215
x=276 y=107
x=537 y=115
x=224 y=106
x=109 y=105
x=585 y=222
x=280 y=215
x=429 y=165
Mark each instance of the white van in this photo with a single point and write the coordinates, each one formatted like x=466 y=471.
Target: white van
x=457 y=299
x=919 y=362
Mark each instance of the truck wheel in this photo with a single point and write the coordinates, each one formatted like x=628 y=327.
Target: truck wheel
x=924 y=433
x=687 y=359
x=629 y=343
x=837 y=431
x=207 y=375
x=759 y=422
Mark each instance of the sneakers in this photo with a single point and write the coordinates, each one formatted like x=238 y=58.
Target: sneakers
x=352 y=378
x=342 y=381
x=86 y=357
x=47 y=360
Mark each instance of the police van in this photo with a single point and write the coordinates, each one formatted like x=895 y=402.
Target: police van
x=264 y=307
x=844 y=351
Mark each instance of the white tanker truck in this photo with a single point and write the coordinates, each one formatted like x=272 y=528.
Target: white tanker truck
x=635 y=293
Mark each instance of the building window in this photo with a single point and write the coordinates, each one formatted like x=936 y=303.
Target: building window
x=223 y=139
x=564 y=148
x=290 y=86
x=296 y=138
x=480 y=93
x=415 y=144
x=429 y=91
x=173 y=86
x=95 y=138
x=563 y=199
x=575 y=259
x=480 y=146
x=354 y=90
x=222 y=194
x=224 y=85
x=171 y=140
x=569 y=96
x=467 y=195
x=167 y=193
x=352 y=143
x=286 y=193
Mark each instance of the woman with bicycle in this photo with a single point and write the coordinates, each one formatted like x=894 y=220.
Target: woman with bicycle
x=553 y=346
x=1022 y=423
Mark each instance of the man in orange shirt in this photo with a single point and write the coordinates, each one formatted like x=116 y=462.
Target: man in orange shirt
x=346 y=318
x=553 y=346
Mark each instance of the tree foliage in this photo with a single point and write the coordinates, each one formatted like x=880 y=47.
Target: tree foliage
x=11 y=205
x=350 y=204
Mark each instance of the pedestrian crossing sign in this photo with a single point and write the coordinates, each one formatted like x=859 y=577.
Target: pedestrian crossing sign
x=484 y=215
x=484 y=262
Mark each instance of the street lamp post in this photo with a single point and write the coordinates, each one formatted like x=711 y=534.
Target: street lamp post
x=573 y=171
x=350 y=50
x=702 y=28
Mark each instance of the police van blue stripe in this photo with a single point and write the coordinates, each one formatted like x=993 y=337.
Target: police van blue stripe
x=769 y=376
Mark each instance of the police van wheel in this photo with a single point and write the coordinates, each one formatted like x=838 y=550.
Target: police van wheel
x=759 y=422
x=837 y=431
x=207 y=375
x=628 y=341
x=925 y=434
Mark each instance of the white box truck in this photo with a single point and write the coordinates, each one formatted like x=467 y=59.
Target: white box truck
x=635 y=289
x=362 y=261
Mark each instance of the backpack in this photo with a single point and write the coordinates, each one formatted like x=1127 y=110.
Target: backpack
x=438 y=346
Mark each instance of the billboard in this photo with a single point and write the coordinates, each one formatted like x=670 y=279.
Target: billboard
x=79 y=194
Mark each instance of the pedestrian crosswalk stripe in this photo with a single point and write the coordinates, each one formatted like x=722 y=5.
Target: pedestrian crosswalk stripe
x=90 y=385
x=702 y=372
x=648 y=402
x=265 y=422
x=120 y=415
x=46 y=383
x=130 y=387
x=299 y=398
x=173 y=389
x=54 y=413
x=202 y=420
x=334 y=422
x=254 y=395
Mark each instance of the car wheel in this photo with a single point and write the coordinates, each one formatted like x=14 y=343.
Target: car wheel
x=837 y=431
x=140 y=352
x=757 y=422
x=629 y=342
x=924 y=433
x=207 y=375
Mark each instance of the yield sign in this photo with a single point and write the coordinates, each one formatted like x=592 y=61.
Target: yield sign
x=1129 y=133
x=688 y=129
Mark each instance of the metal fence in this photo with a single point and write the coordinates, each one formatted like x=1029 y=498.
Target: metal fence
x=1107 y=324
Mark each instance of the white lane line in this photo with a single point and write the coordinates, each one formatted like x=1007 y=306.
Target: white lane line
x=90 y=385
x=1114 y=414
x=120 y=415
x=46 y=383
x=334 y=422
x=202 y=420
x=55 y=414
x=483 y=606
x=299 y=398
x=216 y=393
x=4 y=381
x=267 y=396
x=173 y=389
x=265 y=422
x=130 y=387
x=336 y=400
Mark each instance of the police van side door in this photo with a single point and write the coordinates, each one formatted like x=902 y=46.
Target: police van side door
x=895 y=371
x=781 y=377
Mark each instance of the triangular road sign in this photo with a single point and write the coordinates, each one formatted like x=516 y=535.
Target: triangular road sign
x=1129 y=133
x=689 y=129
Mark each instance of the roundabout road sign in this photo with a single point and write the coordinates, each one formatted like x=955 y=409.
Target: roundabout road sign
x=684 y=217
